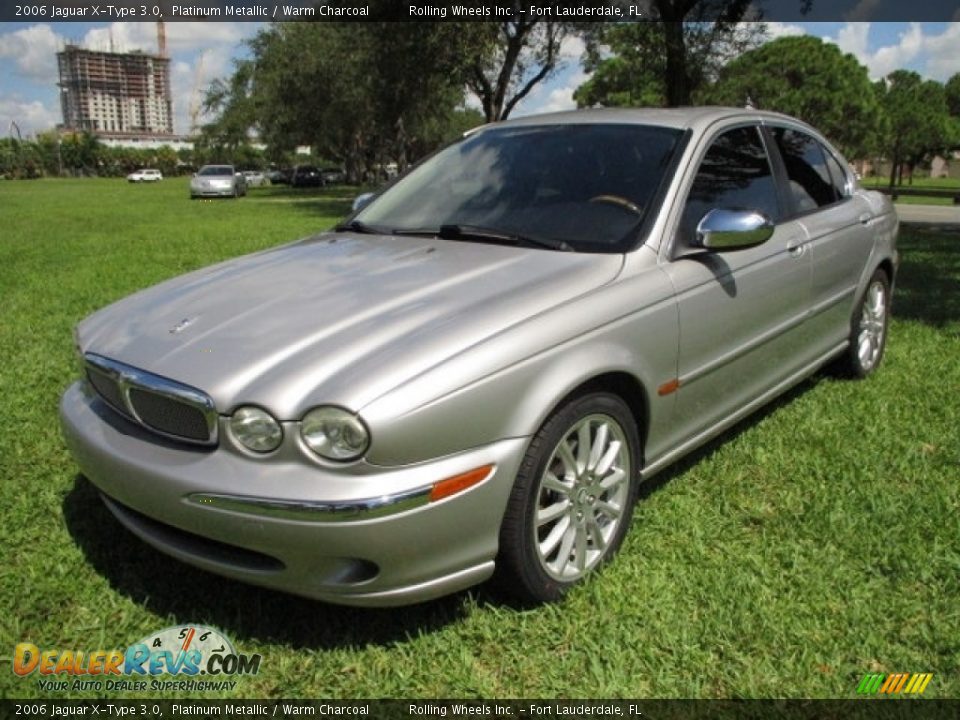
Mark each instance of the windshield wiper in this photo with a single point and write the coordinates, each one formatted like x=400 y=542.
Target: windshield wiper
x=482 y=234
x=358 y=226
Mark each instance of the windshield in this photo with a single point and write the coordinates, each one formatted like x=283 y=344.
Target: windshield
x=216 y=170
x=585 y=187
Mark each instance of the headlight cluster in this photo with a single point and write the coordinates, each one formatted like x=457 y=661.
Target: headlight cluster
x=334 y=433
x=256 y=429
x=331 y=432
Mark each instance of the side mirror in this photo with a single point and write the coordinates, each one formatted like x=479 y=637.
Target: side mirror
x=722 y=230
x=361 y=200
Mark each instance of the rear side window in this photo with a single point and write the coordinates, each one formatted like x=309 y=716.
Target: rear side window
x=810 y=183
x=837 y=174
x=734 y=175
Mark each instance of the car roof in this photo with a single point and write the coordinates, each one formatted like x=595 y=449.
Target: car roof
x=681 y=118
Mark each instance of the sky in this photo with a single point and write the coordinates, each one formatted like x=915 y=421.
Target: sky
x=203 y=51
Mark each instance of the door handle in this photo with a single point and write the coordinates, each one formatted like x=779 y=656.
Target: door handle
x=865 y=218
x=796 y=246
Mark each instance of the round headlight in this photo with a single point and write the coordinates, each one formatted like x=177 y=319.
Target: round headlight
x=256 y=429
x=334 y=433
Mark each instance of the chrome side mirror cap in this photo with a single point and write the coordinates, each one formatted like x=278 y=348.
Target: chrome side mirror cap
x=723 y=230
x=360 y=200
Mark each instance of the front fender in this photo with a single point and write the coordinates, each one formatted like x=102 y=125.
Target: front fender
x=629 y=327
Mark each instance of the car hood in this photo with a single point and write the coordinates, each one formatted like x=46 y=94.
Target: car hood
x=337 y=318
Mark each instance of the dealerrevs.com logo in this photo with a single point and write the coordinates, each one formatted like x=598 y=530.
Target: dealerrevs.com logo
x=200 y=658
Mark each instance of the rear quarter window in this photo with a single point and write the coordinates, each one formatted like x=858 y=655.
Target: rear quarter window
x=811 y=185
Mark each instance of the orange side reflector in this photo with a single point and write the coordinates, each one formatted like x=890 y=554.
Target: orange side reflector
x=459 y=483
x=668 y=387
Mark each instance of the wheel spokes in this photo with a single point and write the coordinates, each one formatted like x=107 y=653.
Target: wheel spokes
x=549 y=514
x=872 y=326
x=599 y=444
x=553 y=539
x=581 y=498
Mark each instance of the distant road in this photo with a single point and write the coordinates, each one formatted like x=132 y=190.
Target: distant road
x=934 y=214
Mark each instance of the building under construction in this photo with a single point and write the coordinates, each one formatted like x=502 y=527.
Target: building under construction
x=115 y=95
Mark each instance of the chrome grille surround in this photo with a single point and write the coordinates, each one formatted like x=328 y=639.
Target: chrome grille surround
x=113 y=382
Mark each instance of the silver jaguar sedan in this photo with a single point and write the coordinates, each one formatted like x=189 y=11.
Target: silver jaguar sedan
x=217 y=181
x=471 y=376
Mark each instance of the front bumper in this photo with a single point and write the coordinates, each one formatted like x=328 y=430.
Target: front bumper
x=227 y=191
x=338 y=552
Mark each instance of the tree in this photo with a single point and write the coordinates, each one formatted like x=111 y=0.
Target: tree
x=362 y=94
x=232 y=101
x=952 y=89
x=508 y=59
x=920 y=123
x=665 y=62
x=811 y=80
x=81 y=153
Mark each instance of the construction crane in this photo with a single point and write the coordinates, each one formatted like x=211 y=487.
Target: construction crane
x=195 y=93
x=162 y=39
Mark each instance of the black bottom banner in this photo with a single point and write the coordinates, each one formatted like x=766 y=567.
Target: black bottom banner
x=867 y=709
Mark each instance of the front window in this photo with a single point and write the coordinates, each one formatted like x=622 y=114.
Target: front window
x=580 y=187
x=735 y=174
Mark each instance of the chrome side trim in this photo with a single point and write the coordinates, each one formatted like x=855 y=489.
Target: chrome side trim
x=127 y=378
x=766 y=337
x=316 y=512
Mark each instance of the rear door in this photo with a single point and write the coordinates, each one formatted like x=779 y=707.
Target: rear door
x=839 y=227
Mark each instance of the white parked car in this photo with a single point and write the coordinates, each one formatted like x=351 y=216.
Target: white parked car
x=145 y=175
x=255 y=178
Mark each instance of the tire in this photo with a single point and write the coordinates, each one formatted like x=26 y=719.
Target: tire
x=868 y=329
x=561 y=524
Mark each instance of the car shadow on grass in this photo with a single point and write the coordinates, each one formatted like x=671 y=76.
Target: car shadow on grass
x=167 y=587
x=928 y=282
x=705 y=451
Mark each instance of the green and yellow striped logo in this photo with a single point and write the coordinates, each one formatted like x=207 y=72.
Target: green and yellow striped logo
x=906 y=683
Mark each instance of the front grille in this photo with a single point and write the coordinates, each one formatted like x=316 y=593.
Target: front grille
x=108 y=389
x=168 y=415
x=161 y=405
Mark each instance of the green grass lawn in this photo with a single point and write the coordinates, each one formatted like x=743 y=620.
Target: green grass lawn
x=923 y=200
x=814 y=543
x=919 y=183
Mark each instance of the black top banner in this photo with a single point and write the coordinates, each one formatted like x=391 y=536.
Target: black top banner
x=468 y=10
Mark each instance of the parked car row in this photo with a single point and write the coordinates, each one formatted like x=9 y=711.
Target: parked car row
x=307 y=176
x=299 y=176
x=227 y=181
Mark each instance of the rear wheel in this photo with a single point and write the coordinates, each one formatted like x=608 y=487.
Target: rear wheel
x=572 y=500
x=868 y=329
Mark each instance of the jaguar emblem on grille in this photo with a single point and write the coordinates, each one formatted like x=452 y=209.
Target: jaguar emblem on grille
x=182 y=325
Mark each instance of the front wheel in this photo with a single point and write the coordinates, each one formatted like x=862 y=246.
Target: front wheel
x=868 y=329
x=572 y=500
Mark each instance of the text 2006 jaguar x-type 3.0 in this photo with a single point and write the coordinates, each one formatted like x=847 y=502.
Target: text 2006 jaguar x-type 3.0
x=471 y=376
